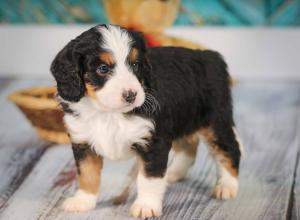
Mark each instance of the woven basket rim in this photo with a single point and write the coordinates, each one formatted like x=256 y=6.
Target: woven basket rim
x=25 y=98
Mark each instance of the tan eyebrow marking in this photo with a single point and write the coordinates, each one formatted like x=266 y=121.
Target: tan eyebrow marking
x=107 y=58
x=133 y=55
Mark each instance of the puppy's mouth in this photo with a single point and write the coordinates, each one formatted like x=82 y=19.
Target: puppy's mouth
x=127 y=107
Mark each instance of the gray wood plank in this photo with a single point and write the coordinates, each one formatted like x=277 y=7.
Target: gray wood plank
x=266 y=117
x=40 y=195
x=113 y=176
x=295 y=200
x=15 y=164
x=34 y=195
x=20 y=147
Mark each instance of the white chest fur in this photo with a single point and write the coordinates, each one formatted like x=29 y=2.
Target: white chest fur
x=109 y=134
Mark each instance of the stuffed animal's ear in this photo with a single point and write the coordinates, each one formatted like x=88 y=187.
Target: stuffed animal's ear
x=67 y=71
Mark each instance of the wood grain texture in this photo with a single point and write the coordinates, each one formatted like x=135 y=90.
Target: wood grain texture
x=41 y=194
x=38 y=192
x=267 y=118
x=295 y=200
x=20 y=147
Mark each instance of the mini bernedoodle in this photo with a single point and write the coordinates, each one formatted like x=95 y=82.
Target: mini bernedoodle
x=122 y=100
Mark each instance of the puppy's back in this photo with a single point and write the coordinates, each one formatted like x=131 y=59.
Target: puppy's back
x=189 y=83
x=177 y=57
x=192 y=66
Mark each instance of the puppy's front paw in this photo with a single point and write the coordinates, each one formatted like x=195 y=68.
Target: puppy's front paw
x=226 y=189
x=143 y=210
x=80 y=202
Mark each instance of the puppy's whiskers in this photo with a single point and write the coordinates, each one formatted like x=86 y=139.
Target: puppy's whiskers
x=151 y=104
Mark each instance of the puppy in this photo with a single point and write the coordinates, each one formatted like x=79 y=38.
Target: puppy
x=122 y=100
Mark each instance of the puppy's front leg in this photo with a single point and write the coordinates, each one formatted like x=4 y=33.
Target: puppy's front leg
x=151 y=180
x=89 y=165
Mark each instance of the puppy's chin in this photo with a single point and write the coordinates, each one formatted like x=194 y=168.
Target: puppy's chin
x=121 y=109
x=115 y=104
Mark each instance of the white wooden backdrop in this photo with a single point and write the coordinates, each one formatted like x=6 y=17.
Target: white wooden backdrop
x=252 y=53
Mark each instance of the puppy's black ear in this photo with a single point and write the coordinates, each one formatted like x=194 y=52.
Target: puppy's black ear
x=139 y=40
x=67 y=71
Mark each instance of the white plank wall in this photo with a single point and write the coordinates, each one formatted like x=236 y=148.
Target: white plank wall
x=259 y=53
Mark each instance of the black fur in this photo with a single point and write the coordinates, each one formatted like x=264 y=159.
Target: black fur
x=80 y=152
x=192 y=88
x=68 y=66
x=155 y=157
x=66 y=107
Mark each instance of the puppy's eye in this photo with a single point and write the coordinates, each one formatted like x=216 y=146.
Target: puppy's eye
x=103 y=69
x=135 y=65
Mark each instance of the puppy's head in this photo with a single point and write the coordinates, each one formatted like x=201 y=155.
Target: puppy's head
x=106 y=63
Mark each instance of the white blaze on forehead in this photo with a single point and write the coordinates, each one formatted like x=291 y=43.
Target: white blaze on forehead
x=117 y=41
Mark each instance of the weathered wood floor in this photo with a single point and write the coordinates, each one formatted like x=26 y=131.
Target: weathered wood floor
x=35 y=177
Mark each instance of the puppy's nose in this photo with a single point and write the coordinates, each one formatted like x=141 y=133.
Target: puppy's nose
x=129 y=96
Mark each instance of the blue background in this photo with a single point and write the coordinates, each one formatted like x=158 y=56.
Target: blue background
x=192 y=12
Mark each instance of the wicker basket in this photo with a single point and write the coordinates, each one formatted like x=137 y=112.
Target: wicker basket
x=43 y=111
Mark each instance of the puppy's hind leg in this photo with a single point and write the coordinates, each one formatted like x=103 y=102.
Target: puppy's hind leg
x=89 y=165
x=224 y=147
x=185 y=150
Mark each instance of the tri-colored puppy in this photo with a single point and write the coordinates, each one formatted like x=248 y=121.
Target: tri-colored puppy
x=122 y=100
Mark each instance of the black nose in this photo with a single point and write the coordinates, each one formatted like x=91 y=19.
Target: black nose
x=129 y=96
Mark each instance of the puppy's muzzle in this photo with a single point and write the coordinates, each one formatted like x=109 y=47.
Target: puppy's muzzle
x=129 y=96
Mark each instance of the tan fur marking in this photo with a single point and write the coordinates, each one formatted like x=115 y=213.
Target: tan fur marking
x=188 y=144
x=223 y=159
x=216 y=151
x=107 y=58
x=90 y=91
x=140 y=166
x=133 y=54
x=89 y=176
x=208 y=134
